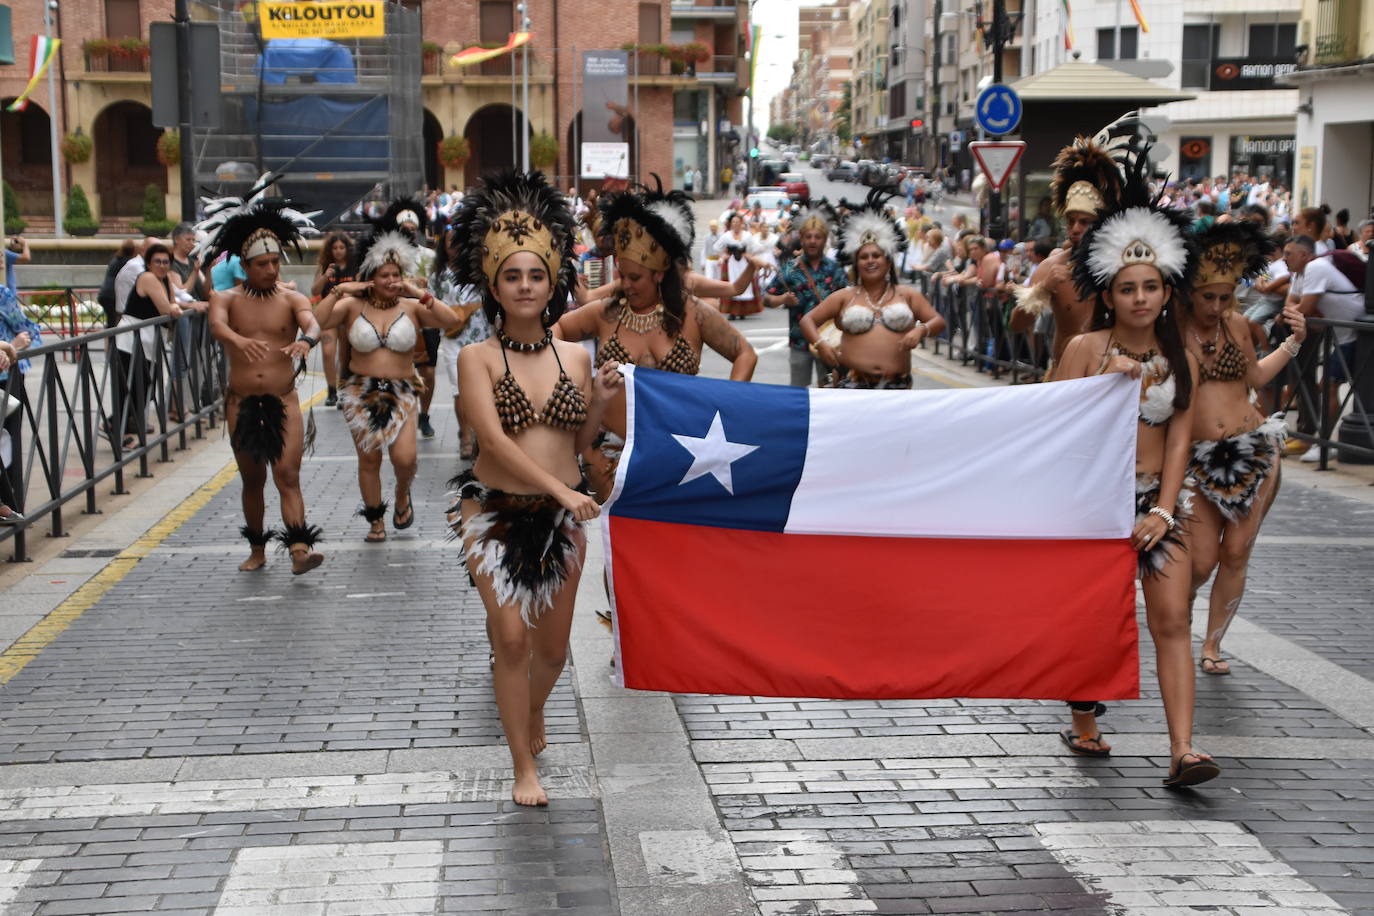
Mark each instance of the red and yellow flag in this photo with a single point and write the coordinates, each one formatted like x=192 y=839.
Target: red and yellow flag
x=1068 y=25
x=475 y=55
x=1139 y=16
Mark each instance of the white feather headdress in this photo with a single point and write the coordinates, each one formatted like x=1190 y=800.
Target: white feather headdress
x=870 y=224
x=219 y=210
x=677 y=220
x=1139 y=235
x=391 y=246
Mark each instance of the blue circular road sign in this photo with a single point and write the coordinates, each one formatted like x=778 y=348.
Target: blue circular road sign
x=998 y=109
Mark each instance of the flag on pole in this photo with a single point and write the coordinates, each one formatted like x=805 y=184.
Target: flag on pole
x=771 y=541
x=1068 y=26
x=1139 y=16
x=475 y=55
x=755 y=39
x=42 y=50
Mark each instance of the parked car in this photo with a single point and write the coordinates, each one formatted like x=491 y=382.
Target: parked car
x=844 y=170
x=794 y=183
x=775 y=202
x=769 y=171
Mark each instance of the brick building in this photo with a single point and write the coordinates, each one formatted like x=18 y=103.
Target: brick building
x=682 y=115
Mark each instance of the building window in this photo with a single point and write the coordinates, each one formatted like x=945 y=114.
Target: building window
x=496 y=20
x=1279 y=39
x=650 y=23
x=122 y=19
x=1106 y=44
x=896 y=100
x=1199 y=47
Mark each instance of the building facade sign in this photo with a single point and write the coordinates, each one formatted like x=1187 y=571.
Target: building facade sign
x=1267 y=157
x=1231 y=73
x=329 y=19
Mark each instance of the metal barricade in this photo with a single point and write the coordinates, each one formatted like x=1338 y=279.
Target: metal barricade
x=89 y=388
x=1328 y=386
x=979 y=332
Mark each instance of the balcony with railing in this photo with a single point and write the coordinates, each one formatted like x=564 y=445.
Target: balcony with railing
x=717 y=10
x=1336 y=30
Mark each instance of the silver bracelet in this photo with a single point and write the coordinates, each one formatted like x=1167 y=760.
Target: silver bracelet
x=1166 y=515
x=1291 y=347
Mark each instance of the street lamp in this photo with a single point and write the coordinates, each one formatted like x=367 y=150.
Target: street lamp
x=49 y=17
x=524 y=89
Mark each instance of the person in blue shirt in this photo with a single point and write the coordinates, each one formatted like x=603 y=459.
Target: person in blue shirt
x=16 y=252
x=801 y=284
x=227 y=273
x=17 y=330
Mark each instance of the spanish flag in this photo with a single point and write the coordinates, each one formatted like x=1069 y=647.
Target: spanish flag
x=41 y=52
x=475 y=55
x=1139 y=16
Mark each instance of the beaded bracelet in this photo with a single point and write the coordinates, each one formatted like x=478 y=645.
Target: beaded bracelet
x=1166 y=515
x=1291 y=347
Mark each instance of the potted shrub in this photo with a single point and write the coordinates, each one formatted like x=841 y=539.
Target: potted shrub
x=543 y=150
x=78 y=220
x=131 y=49
x=98 y=52
x=454 y=151
x=169 y=148
x=13 y=224
x=429 y=57
x=155 y=221
x=76 y=147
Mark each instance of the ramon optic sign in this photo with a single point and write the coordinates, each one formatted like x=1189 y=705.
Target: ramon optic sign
x=345 y=19
x=1248 y=72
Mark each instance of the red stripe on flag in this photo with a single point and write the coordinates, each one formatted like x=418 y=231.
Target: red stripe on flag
x=747 y=613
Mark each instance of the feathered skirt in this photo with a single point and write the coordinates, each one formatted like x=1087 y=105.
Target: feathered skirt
x=527 y=543
x=1229 y=472
x=377 y=408
x=1152 y=560
x=853 y=378
x=259 y=428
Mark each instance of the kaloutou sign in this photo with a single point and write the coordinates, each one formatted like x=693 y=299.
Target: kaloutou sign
x=322 y=19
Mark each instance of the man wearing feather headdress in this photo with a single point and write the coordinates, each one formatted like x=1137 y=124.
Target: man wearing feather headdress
x=258 y=322
x=1086 y=183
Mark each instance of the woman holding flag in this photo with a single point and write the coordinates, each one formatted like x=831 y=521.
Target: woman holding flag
x=1135 y=263
x=654 y=321
x=877 y=321
x=521 y=507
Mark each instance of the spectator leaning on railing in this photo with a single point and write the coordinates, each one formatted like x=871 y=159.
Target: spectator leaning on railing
x=20 y=334
x=16 y=252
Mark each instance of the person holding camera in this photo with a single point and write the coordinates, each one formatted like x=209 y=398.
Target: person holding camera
x=336 y=258
x=16 y=252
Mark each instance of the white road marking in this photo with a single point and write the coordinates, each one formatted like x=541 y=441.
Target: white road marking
x=361 y=878
x=1150 y=868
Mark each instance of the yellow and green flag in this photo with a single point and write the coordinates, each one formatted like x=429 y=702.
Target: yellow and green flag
x=42 y=50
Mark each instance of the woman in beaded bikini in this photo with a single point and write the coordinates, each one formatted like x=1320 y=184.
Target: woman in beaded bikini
x=521 y=507
x=1235 y=456
x=653 y=322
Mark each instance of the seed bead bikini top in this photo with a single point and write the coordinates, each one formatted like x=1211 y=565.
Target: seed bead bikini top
x=859 y=318
x=1230 y=364
x=399 y=337
x=565 y=409
x=681 y=359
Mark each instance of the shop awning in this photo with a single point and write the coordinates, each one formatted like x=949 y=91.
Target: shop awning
x=1080 y=81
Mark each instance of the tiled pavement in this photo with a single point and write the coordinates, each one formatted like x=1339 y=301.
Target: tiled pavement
x=202 y=741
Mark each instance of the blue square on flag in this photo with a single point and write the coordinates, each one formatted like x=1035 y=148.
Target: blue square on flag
x=716 y=453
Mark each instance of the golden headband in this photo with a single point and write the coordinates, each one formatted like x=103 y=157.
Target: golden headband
x=260 y=242
x=634 y=243
x=512 y=232
x=1223 y=263
x=1083 y=197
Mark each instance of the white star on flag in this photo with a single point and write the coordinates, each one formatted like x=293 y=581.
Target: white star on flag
x=713 y=455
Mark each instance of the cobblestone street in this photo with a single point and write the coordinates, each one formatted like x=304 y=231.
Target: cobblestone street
x=179 y=737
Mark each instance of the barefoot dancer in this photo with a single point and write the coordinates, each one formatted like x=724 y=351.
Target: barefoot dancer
x=257 y=322
x=522 y=504
x=1235 y=458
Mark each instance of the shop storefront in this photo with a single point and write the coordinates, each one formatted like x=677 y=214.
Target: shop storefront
x=1268 y=157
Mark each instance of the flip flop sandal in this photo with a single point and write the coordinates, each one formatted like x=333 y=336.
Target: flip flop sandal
x=409 y=511
x=1072 y=742
x=1215 y=670
x=1191 y=774
x=375 y=537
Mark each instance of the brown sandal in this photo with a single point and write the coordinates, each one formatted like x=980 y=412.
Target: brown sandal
x=1075 y=743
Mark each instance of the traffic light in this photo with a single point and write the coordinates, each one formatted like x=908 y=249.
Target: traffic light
x=754 y=152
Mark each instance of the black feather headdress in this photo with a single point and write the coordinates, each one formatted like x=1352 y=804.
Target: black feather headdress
x=650 y=227
x=262 y=228
x=1087 y=179
x=1231 y=252
x=411 y=208
x=511 y=212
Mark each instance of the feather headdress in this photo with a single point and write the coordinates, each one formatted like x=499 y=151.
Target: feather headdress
x=260 y=229
x=650 y=227
x=870 y=224
x=1231 y=252
x=509 y=213
x=219 y=210
x=1139 y=231
x=1086 y=179
x=402 y=211
x=393 y=246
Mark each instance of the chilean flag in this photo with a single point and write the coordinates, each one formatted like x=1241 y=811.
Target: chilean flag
x=773 y=541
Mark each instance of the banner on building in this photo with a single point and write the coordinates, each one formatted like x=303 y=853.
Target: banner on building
x=605 y=96
x=330 y=19
x=605 y=160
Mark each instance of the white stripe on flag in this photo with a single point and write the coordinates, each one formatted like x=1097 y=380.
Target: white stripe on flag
x=1030 y=461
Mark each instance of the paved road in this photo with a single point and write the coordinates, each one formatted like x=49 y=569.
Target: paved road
x=182 y=738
